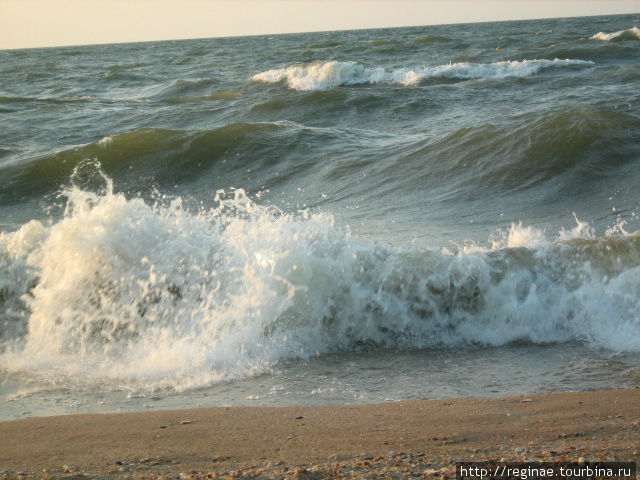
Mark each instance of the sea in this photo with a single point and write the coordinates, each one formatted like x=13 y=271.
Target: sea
x=321 y=218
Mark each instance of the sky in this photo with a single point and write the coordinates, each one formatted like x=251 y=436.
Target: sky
x=44 y=23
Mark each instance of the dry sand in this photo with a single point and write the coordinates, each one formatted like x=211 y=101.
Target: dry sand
x=413 y=439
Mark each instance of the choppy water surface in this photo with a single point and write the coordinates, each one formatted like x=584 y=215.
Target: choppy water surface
x=336 y=217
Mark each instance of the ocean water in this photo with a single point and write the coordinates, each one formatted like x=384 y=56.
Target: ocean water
x=339 y=217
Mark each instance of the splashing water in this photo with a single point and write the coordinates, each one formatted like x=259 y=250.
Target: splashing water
x=154 y=294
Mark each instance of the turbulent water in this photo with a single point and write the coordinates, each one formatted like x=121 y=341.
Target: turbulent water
x=335 y=217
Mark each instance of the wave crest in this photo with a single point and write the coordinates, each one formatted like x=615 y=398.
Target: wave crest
x=322 y=75
x=119 y=288
x=628 y=34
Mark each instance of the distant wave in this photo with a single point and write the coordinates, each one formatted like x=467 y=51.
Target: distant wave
x=629 y=34
x=322 y=75
x=181 y=88
x=164 y=155
x=433 y=39
x=202 y=98
x=483 y=160
x=15 y=99
x=491 y=159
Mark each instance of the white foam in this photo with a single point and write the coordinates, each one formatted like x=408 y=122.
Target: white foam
x=323 y=75
x=123 y=291
x=527 y=236
x=530 y=237
x=105 y=140
x=581 y=230
x=632 y=33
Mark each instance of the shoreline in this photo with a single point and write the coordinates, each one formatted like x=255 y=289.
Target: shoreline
x=408 y=438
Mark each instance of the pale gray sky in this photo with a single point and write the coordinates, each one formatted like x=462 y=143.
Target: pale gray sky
x=35 y=23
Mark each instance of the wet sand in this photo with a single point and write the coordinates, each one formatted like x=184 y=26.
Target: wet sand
x=396 y=440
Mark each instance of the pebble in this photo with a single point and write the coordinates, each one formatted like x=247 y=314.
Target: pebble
x=185 y=422
x=367 y=465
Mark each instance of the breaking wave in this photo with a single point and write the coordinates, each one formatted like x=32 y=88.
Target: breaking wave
x=322 y=75
x=629 y=34
x=120 y=288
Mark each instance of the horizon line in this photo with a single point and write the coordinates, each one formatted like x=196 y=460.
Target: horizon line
x=186 y=39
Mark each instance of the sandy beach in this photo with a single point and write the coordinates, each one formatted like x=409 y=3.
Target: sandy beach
x=395 y=440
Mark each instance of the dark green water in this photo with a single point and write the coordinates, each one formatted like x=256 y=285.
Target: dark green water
x=176 y=216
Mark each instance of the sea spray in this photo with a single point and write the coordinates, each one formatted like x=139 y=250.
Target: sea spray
x=119 y=288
